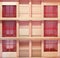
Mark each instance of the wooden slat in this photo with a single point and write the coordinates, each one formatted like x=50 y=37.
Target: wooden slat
x=30 y=47
x=17 y=49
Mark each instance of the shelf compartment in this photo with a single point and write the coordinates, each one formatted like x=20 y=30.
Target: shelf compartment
x=24 y=53
x=24 y=44
x=24 y=29
x=36 y=53
x=36 y=44
x=36 y=49
x=24 y=48
x=36 y=27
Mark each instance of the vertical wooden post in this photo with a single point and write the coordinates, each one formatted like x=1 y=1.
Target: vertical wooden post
x=42 y=48
x=0 y=48
x=17 y=47
x=30 y=29
x=30 y=48
x=17 y=11
x=17 y=28
x=42 y=28
x=30 y=8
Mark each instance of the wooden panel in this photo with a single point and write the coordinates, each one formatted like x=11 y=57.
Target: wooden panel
x=36 y=53
x=23 y=7
x=24 y=31
x=36 y=28
x=24 y=43
x=50 y=54
x=24 y=28
x=24 y=16
x=35 y=15
x=23 y=12
x=24 y=1
x=36 y=43
x=36 y=1
x=9 y=54
x=24 y=53
x=36 y=9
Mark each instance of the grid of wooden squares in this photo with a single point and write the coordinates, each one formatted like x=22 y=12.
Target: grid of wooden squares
x=30 y=28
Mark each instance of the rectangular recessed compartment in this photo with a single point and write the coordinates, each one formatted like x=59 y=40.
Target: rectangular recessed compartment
x=25 y=48
x=36 y=48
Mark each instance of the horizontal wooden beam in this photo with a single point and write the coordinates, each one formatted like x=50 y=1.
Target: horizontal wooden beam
x=29 y=38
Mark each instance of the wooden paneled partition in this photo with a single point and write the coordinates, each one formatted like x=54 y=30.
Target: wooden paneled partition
x=29 y=49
